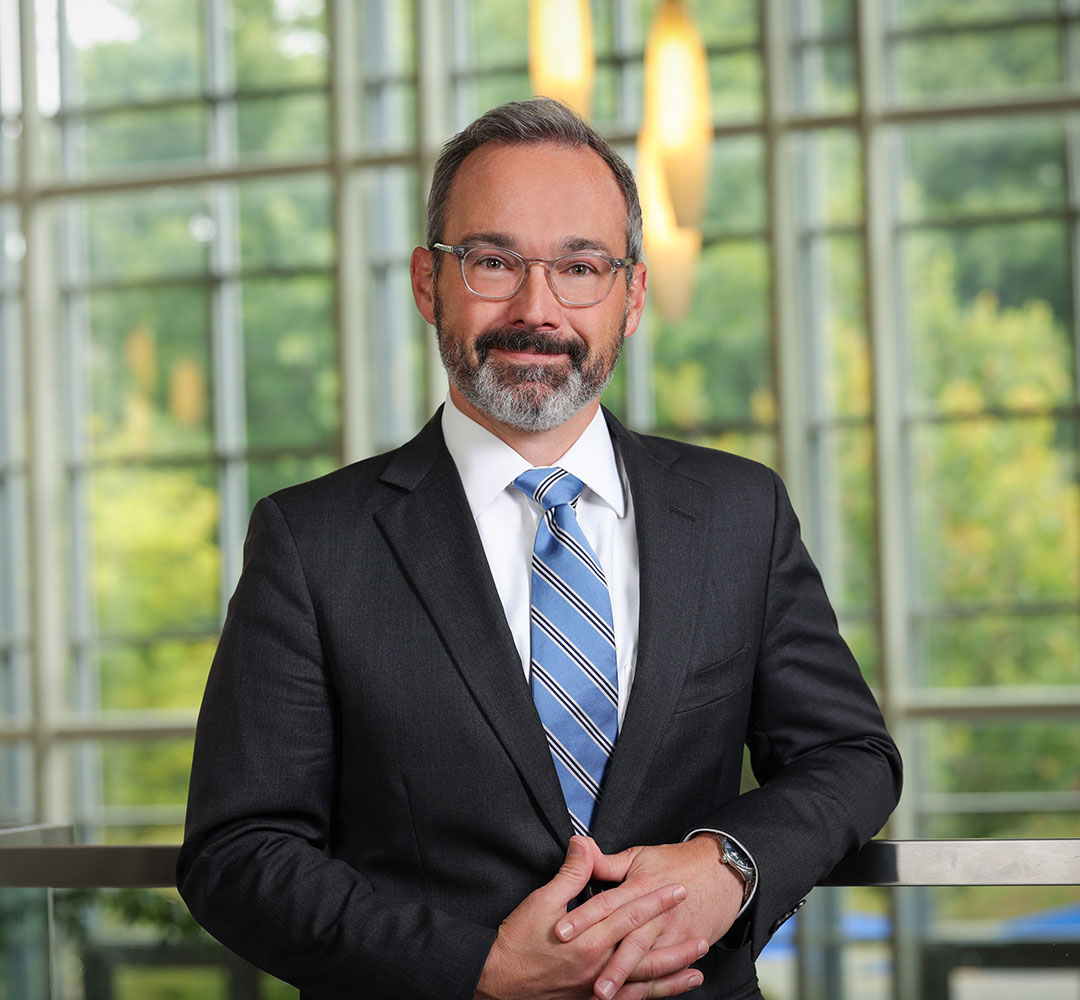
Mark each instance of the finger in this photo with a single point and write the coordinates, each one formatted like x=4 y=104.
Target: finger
x=574 y=874
x=611 y=902
x=670 y=986
x=659 y=962
x=614 y=867
x=635 y=959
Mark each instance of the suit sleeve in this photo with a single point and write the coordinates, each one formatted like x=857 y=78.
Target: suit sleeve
x=829 y=774
x=253 y=868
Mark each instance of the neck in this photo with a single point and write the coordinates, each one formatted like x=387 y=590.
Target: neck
x=538 y=448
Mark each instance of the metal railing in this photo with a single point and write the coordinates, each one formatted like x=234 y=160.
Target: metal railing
x=38 y=857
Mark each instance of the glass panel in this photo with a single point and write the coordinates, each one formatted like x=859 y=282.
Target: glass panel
x=118 y=140
x=279 y=44
x=986 y=306
x=824 y=77
x=264 y=477
x=737 y=85
x=16 y=784
x=811 y=18
x=844 y=545
x=1015 y=164
x=981 y=538
x=129 y=790
x=154 y=675
x=283 y=125
x=141 y=944
x=828 y=178
x=930 y=12
x=833 y=298
x=140 y=51
x=735 y=199
x=143 y=234
x=286 y=222
x=1000 y=650
x=492 y=89
x=705 y=375
x=721 y=22
x=25 y=931
x=150 y=372
x=386 y=52
x=498 y=35
x=863 y=641
x=155 y=550
x=1007 y=763
x=290 y=350
x=978 y=63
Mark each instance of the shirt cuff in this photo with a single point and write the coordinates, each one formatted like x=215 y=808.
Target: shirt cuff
x=739 y=844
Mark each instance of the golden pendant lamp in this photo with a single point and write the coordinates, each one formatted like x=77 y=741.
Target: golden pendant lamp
x=561 y=60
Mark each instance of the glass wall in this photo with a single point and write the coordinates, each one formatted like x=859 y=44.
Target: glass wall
x=206 y=215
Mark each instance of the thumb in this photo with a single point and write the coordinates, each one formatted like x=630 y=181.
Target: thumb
x=576 y=870
x=613 y=867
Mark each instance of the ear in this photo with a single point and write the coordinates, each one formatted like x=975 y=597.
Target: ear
x=635 y=305
x=423 y=283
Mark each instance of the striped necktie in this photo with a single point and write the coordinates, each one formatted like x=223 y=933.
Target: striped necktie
x=573 y=674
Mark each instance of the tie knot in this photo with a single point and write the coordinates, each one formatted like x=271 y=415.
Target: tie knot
x=550 y=487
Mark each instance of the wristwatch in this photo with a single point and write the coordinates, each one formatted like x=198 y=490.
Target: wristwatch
x=735 y=857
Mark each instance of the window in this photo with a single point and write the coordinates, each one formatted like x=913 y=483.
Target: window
x=206 y=216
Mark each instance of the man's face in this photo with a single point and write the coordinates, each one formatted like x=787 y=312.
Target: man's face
x=530 y=361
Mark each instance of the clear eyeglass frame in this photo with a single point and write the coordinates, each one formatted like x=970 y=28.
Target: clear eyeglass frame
x=461 y=251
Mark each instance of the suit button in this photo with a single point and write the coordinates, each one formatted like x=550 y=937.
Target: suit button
x=787 y=916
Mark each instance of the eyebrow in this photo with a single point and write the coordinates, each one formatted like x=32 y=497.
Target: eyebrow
x=572 y=244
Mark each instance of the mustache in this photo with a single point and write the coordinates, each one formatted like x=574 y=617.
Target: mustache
x=510 y=339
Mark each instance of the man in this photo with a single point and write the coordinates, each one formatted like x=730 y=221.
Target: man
x=381 y=795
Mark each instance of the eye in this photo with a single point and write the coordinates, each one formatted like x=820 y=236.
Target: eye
x=490 y=260
x=581 y=267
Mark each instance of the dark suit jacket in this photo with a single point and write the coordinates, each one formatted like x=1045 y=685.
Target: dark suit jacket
x=372 y=791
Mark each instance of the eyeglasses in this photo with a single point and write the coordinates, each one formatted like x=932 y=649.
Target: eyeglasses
x=576 y=279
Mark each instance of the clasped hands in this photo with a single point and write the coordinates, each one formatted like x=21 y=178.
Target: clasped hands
x=635 y=940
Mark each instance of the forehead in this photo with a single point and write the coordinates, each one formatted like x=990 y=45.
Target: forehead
x=542 y=195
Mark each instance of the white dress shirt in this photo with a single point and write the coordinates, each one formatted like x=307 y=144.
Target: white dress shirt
x=507 y=522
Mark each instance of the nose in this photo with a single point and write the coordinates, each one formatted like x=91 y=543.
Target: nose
x=534 y=304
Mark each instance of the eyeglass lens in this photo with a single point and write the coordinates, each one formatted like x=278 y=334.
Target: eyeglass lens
x=579 y=278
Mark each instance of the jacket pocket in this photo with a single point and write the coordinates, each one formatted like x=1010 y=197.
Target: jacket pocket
x=716 y=681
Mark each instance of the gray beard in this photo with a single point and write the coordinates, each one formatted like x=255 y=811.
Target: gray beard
x=527 y=397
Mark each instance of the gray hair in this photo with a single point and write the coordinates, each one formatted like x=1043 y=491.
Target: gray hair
x=540 y=119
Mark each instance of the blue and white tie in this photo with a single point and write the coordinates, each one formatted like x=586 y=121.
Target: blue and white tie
x=573 y=673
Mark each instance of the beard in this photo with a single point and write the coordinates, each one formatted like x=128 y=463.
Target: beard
x=527 y=397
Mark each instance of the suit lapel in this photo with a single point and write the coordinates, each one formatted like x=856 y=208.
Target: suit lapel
x=432 y=531
x=670 y=514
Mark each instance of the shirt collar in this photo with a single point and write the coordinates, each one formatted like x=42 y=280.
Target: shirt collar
x=487 y=464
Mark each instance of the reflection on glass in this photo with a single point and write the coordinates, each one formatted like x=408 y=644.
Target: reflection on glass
x=828 y=173
x=290 y=359
x=155 y=560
